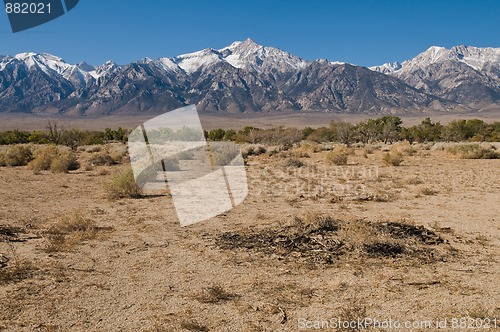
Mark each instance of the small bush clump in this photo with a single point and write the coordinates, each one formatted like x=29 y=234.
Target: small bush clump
x=123 y=185
x=102 y=158
x=17 y=155
x=215 y=294
x=474 y=151
x=70 y=230
x=392 y=158
x=293 y=162
x=17 y=272
x=55 y=159
x=339 y=156
x=253 y=150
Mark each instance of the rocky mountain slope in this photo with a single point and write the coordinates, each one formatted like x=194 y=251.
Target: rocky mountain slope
x=246 y=77
x=464 y=74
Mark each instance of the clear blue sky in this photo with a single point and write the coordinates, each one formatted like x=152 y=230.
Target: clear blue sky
x=361 y=32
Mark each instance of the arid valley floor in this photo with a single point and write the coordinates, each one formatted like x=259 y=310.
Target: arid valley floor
x=312 y=241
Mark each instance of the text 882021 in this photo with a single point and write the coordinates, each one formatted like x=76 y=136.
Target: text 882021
x=27 y=8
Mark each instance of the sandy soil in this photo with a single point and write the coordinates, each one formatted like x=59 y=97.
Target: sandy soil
x=140 y=271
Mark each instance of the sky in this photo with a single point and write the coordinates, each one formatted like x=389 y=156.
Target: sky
x=364 y=33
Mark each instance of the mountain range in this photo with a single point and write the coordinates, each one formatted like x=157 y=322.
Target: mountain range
x=246 y=77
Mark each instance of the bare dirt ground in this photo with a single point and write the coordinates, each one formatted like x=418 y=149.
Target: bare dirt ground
x=312 y=241
x=9 y=121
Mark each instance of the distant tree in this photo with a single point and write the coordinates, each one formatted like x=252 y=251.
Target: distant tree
x=427 y=131
x=368 y=131
x=391 y=128
x=343 y=132
x=54 y=133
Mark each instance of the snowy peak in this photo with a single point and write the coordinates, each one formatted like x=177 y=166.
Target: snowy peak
x=387 y=68
x=164 y=64
x=193 y=62
x=51 y=65
x=252 y=56
x=475 y=57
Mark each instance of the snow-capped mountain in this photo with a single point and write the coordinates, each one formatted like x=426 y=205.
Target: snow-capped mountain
x=465 y=74
x=251 y=56
x=248 y=77
x=246 y=55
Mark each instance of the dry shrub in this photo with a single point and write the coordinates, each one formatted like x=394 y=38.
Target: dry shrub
x=102 y=158
x=352 y=312
x=324 y=240
x=215 y=294
x=474 y=151
x=194 y=326
x=293 y=162
x=427 y=191
x=123 y=185
x=70 y=230
x=19 y=271
x=339 y=156
x=414 y=181
x=404 y=147
x=368 y=149
x=57 y=159
x=17 y=155
x=392 y=158
x=253 y=150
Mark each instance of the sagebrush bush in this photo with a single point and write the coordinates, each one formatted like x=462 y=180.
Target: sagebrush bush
x=392 y=158
x=294 y=162
x=339 y=156
x=17 y=155
x=63 y=162
x=253 y=150
x=68 y=231
x=102 y=158
x=123 y=185
x=403 y=147
x=474 y=151
x=53 y=158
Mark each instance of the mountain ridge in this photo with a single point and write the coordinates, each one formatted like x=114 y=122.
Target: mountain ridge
x=246 y=77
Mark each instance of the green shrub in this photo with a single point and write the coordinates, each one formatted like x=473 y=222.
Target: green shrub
x=17 y=155
x=123 y=185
